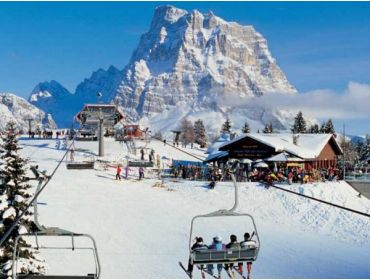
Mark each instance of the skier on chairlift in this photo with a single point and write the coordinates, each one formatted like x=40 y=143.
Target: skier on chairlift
x=247 y=243
x=218 y=246
x=197 y=246
x=234 y=245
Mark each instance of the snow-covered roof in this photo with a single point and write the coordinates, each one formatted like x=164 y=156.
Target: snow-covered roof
x=216 y=155
x=308 y=146
x=284 y=157
x=223 y=139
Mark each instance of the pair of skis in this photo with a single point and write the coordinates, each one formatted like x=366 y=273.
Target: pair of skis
x=203 y=271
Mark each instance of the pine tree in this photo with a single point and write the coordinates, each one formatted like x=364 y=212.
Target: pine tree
x=268 y=128
x=226 y=127
x=329 y=127
x=322 y=128
x=314 y=129
x=246 y=128
x=299 y=125
x=15 y=193
x=187 y=132
x=200 y=133
x=363 y=149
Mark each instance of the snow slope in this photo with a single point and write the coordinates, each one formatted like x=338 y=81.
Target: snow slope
x=143 y=231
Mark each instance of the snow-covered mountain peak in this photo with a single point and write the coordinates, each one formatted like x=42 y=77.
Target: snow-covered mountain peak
x=17 y=109
x=167 y=13
x=48 y=90
x=195 y=60
x=187 y=64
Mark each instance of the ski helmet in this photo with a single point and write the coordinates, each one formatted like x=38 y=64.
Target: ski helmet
x=217 y=238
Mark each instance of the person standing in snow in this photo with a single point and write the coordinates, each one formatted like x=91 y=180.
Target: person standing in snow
x=290 y=177
x=141 y=172
x=72 y=154
x=127 y=169
x=118 y=172
x=151 y=155
x=142 y=153
x=158 y=161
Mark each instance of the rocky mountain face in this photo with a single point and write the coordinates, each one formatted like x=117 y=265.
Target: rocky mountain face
x=63 y=105
x=188 y=64
x=54 y=99
x=198 y=60
x=17 y=109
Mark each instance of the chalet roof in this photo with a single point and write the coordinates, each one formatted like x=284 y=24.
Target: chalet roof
x=308 y=146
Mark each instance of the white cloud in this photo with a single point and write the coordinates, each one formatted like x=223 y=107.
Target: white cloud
x=353 y=103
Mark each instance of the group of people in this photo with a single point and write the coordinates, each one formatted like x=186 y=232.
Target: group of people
x=295 y=175
x=191 y=172
x=127 y=170
x=217 y=245
x=151 y=155
x=45 y=134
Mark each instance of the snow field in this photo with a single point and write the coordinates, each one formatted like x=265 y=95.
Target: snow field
x=143 y=231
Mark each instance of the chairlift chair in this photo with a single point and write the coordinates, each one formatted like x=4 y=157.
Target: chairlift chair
x=210 y=256
x=52 y=232
x=55 y=232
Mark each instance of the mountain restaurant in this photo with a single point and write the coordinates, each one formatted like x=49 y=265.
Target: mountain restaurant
x=310 y=150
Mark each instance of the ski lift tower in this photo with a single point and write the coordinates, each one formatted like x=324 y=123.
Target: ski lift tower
x=177 y=133
x=29 y=119
x=100 y=116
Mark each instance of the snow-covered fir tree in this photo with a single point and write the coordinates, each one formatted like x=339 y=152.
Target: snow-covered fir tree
x=349 y=152
x=187 y=132
x=200 y=133
x=329 y=127
x=322 y=128
x=15 y=194
x=226 y=126
x=314 y=129
x=363 y=149
x=299 y=125
x=268 y=128
x=246 y=128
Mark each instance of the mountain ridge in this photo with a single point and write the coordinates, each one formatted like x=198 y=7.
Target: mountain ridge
x=191 y=61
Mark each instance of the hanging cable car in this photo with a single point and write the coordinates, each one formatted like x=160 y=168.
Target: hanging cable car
x=53 y=232
x=246 y=253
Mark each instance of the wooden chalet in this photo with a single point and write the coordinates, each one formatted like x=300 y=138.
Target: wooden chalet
x=313 y=150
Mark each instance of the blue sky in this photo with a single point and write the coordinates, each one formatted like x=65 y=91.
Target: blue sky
x=319 y=45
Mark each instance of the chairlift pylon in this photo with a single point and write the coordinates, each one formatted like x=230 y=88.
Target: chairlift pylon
x=210 y=256
x=52 y=232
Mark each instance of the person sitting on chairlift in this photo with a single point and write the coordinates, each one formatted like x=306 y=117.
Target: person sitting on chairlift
x=233 y=245
x=247 y=243
x=218 y=246
x=197 y=246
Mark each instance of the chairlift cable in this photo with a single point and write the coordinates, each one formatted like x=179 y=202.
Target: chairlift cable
x=9 y=231
x=322 y=201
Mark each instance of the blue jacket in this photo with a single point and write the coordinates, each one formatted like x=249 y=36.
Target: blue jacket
x=218 y=246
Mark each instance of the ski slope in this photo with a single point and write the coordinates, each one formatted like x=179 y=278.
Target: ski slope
x=143 y=231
